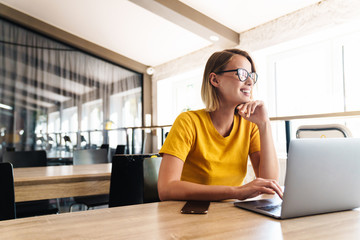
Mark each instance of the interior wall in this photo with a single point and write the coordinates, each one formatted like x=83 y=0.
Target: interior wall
x=311 y=19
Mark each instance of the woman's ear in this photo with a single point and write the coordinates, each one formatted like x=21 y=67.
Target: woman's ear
x=213 y=80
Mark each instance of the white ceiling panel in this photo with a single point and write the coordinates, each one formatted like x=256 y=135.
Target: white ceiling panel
x=242 y=15
x=118 y=25
x=141 y=35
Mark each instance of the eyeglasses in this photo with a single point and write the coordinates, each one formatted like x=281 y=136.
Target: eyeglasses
x=243 y=74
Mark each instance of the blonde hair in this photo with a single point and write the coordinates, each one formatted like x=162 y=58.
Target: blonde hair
x=217 y=62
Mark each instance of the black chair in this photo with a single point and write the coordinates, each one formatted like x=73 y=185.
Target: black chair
x=120 y=149
x=68 y=143
x=10 y=149
x=90 y=156
x=83 y=143
x=23 y=159
x=30 y=159
x=104 y=146
x=7 y=195
x=133 y=179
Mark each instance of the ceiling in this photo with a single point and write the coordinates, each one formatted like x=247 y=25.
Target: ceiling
x=144 y=31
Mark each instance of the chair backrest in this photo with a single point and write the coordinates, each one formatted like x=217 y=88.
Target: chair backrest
x=127 y=185
x=90 y=156
x=151 y=168
x=67 y=139
x=7 y=195
x=104 y=146
x=120 y=149
x=323 y=131
x=26 y=158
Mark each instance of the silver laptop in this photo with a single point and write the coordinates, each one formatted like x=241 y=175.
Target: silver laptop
x=322 y=176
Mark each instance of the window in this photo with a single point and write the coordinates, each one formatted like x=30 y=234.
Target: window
x=92 y=119
x=125 y=111
x=44 y=83
x=69 y=124
x=313 y=75
x=178 y=94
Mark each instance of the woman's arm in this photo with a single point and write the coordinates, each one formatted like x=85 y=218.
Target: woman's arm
x=170 y=187
x=265 y=162
x=269 y=163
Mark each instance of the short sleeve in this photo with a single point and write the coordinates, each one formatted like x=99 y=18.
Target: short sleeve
x=180 y=138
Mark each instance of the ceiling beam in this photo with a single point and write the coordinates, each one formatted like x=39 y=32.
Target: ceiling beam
x=192 y=20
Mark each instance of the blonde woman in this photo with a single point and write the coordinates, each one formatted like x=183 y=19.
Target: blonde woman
x=206 y=151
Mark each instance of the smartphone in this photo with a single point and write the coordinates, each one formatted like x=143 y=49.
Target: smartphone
x=195 y=207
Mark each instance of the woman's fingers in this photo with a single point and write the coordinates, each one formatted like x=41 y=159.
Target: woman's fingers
x=249 y=108
x=273 y=186
x=276 y=187
x=261 y=186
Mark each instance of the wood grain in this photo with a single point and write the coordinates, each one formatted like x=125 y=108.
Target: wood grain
x=164 y=221
x=61 y=181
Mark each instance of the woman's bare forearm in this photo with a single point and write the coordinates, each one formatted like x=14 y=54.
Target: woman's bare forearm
x=269 y=163
x=183 y=190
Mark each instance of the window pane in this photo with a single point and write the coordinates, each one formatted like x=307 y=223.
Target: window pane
x=126 y=111
x=351 y=67
x=177 y=94
x=304 y=81
x=92 y=119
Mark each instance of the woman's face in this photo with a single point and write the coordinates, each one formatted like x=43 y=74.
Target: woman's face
x=231 y=90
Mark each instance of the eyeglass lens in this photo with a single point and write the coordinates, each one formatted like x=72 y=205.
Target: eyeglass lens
x=243 y=75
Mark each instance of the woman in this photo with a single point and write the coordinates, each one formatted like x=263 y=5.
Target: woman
x=205 y=154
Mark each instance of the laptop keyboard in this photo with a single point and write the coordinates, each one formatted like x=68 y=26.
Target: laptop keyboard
x=270 y=208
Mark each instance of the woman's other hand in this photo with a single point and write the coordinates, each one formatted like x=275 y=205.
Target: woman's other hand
x=257 y=187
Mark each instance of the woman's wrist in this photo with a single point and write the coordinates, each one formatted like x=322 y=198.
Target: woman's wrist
x=230 y=192
x=265 y=125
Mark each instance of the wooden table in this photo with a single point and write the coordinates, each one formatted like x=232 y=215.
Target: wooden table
x=164 y=221
x=38 y=183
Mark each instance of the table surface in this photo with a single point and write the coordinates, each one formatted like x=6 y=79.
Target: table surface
x=164 y=221
x=49 y=182
x=52 y=173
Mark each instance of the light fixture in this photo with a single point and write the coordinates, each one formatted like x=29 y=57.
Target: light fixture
x=5 y=106
x=214 y=38
x=108 y=124
x=150 y=71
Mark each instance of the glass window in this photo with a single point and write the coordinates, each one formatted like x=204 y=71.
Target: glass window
x=69 y=124
x=178 y=94
x=304 y=81
x=312 y=75
x=126 y=111
x=351 y=52
x=54 y=127
x=46 y=79
x=92 y=119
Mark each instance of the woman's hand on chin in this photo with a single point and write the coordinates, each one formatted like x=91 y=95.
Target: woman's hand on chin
x=253 y=111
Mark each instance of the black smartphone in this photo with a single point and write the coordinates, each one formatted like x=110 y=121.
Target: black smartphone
x=196 y=207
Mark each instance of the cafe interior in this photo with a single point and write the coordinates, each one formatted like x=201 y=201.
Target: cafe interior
x=90 y=89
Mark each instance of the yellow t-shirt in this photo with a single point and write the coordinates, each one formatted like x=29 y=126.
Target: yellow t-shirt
x=210 y=158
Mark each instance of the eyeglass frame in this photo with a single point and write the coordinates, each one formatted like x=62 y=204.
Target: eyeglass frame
x=237 y=70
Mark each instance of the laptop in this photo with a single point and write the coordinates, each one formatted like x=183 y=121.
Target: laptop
x=322 y=176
